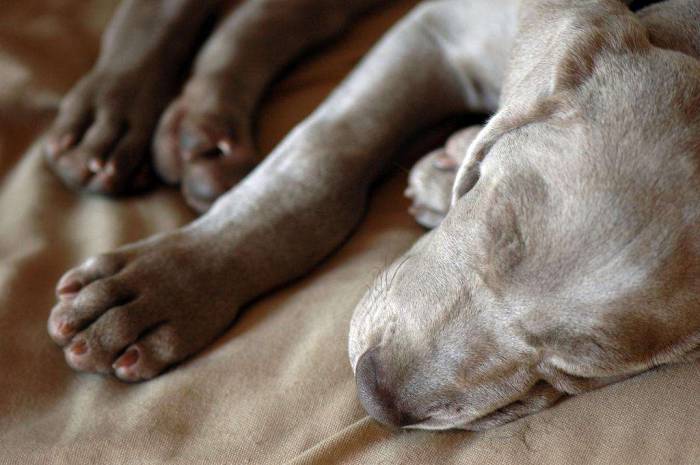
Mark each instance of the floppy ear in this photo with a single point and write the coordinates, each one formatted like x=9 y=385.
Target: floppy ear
x=560 y=45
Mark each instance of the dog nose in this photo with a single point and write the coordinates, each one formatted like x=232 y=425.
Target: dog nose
x=376 y=397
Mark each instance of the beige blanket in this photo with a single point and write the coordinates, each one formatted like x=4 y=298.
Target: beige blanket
x=277 y=388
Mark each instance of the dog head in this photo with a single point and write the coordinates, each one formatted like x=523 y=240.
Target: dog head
x=571 y=259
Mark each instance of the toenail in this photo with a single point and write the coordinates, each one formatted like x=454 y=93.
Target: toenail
x=225 y=147
x=95 y=165
x=79 y=348
x=64 y=328
x=60 y=144
x=129 y=358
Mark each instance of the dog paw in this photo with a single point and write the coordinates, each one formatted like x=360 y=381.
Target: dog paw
x=431 y=179
x=204 y=144
x=138 y=310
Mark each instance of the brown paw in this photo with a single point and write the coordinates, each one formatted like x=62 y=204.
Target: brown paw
x=430 y=181
x=99 y=140
x=204 y=146
x=141 y=309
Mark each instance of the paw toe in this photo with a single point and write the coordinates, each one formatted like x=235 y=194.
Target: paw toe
x=167 y=160
x=96 y=348
x=154 y=353
x=93 y=268
x=116 y=171
x=84 y=293
x=73 y=314
x=100 y=139
x=206 y=180
x=57 y=144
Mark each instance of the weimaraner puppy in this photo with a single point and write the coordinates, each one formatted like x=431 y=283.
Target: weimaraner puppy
x=569 y=257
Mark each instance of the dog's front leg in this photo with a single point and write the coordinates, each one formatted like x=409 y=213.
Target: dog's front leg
x=205 y=139
x=187 y=286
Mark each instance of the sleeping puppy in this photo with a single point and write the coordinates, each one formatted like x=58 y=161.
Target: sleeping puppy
x=569 y=257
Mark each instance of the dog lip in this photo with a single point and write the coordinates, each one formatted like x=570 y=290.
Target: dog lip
x=420 y=421
x=435 y=424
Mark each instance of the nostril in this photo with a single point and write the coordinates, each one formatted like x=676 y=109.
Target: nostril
x=376 y=394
